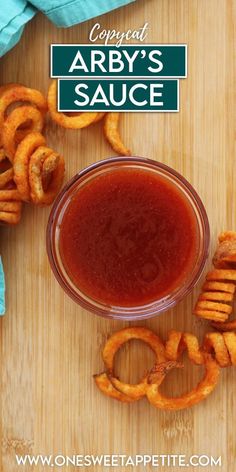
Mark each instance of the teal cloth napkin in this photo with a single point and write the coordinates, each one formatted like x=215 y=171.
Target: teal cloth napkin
x=2 y=289
x=63 y=13
x=13 y=17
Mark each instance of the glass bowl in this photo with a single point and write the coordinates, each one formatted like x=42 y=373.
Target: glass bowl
x=53 y=237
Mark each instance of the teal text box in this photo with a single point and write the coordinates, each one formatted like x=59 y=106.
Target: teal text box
x=172 y=57
x=136 y=93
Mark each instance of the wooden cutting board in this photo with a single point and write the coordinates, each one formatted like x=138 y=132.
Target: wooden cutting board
x=50 y=348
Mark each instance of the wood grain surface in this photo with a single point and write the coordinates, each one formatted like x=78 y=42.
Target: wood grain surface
x=50 y=347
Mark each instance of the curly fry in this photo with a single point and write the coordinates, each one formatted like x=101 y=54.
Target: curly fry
x=112 y=134
x=196 y=395
x=225 y=255
x=10 y=218
x=18 y=93
x=220 y=346
x=9 y=86
x=177 y=342
x=223 y=346
x=6 y=170
x=120 y=337
x=2 y=155
x=103 y=383
x=175 y=345
x=215 y=303
x=159 y=371
x=38 y=170
x=10 y=206
x=15 y=119
x=45 y=163
x=166 y=359
x=218 y=350
x=216 y=300
x=222 y=274
x=6 y=177
x=76 y=120
x=134 y=392
x=113 y=345
x=226 y=326
x=21 y=161
x=10 y=195
x=99 y=117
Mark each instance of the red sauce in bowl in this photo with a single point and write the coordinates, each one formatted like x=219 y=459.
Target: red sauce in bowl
x=128 y=237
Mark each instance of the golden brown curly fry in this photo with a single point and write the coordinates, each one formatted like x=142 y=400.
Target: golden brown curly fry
x=21 y=162
x=10 y=218
x=12 y=93
x=230 y=342
x=103 y=383
x=9 y=195
x=222 y=274
x=218 y=287
x=134 y=391
x=215 y=302
x=6 y=177
x=119 y=338
x=114 y=343
x=99 y=117
x=218 y=350
x=9 y=86
x=38 y=170
x=215 y=343
x=177 y=342
x=196 y=395
x=112 y=134
x=76 y=120
x=225 y=255
x=225 y=326
x=11 y=124
x=45 y=166
x=2 y=155
x=159 y=371
x=10 y=206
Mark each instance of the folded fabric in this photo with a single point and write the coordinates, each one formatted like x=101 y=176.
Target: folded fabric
x=67 y=13
x=2 y=289
x=63 y=13
x=13 y=17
